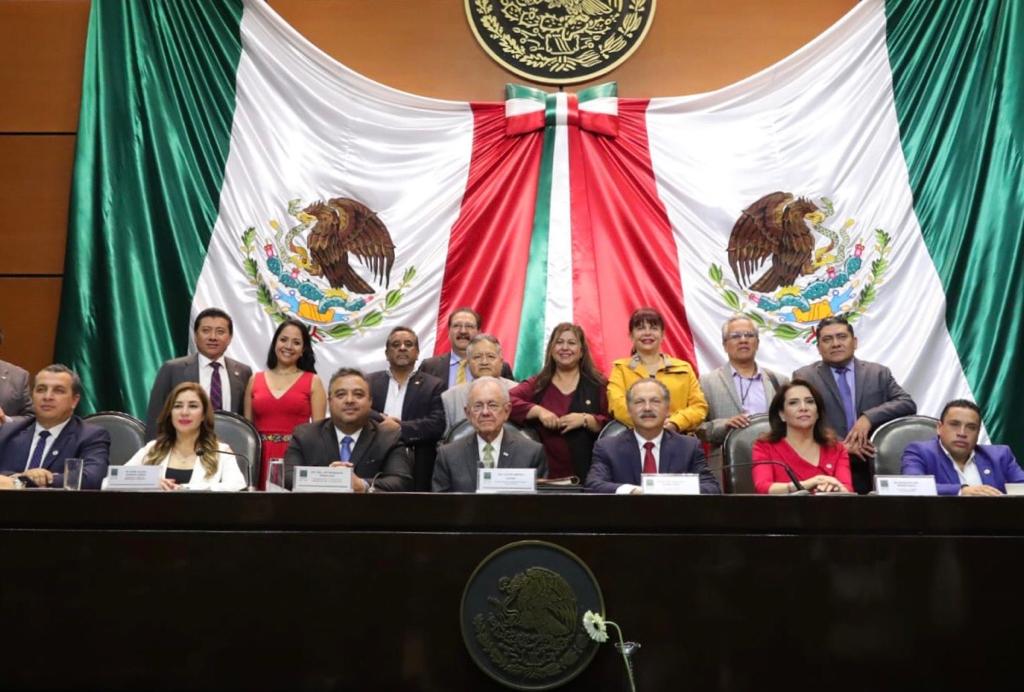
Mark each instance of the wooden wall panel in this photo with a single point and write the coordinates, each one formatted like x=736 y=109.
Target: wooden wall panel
x=42 y=44
x=35 y=182
x=28 y=316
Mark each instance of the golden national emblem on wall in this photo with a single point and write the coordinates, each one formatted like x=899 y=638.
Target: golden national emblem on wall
x=560 y=41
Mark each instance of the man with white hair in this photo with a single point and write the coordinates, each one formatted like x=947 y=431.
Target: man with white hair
x=484 y=356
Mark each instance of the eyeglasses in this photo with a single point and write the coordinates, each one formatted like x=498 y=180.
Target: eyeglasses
x=492 y=406
x=736 y=336
x=478 y=357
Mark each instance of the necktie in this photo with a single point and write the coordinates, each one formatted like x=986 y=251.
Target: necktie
x=649 y=465
x=488 y=456
x=460 y=372
x=847 y=396
x=346 y=448
x=216 y=395
x=37 y=454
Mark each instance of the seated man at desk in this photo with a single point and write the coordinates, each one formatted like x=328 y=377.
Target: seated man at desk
x=620 y=460
x=960 y=465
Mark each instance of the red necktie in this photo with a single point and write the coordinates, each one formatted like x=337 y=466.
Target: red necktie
x=649 y=465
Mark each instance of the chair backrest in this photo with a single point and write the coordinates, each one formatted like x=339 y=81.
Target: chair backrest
x=737 y=449
x=464 y=429
x=127 y=434
x=890 y=439
x=243 y=439
x=611 y=429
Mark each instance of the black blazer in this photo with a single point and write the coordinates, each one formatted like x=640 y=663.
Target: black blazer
x=438 y=366
x=422 y=411
x=376 y=452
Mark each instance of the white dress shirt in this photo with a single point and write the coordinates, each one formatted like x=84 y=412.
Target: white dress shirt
x=396 y=396
x=627 y=488
x=55 y=432
x=496 y=445
x=969 y=475
x=206 y=377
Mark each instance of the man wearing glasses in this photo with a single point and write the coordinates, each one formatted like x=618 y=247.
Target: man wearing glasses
x=484 y=356
x=452 y=368
x=738 y=389
x=859 y=395
x=493 y=445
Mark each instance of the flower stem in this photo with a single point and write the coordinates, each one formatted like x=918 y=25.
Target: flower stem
x=625 y=658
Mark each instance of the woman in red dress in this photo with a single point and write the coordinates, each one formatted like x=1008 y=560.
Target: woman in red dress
x=566 y=402
x=285 y=395
x=800 y=440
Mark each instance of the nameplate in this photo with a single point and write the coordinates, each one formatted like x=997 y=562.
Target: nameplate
x=1015 y=489
x=670 y=483
x=506 y=481
x=134 y=477
x=322 y=479
x=923 y=486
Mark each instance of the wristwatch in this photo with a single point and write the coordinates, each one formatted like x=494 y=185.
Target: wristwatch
x=18 y=482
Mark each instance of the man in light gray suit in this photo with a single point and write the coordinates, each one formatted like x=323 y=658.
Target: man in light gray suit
x=738 y=389
x=493 y=445
x=859 y=395
x=224 y=379
x=484 y=355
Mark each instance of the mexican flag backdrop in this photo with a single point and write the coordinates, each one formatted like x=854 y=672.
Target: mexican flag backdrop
x=223 y=160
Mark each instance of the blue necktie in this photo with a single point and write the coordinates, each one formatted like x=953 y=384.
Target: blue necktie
x=346 y=448
x=847 y=396
x=37 y=454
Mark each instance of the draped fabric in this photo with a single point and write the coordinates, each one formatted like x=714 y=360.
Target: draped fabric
x=958 y=70
x=157 y=103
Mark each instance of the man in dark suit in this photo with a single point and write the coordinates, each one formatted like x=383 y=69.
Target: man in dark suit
x=379 y=459
x=859 y=395
x=492 y=446
x=620 y=460
x=960 y=465
x=224 y=379
x=410 y=402
x=452 y=368
x=15 y=399
x=33 y=449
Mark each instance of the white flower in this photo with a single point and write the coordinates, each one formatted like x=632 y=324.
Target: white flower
x=595 y=627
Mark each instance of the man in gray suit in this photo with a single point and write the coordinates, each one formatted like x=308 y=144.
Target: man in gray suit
x=484 y=355
x=859 y=395
x=738 y=389
x=15 y=399
x=224 y=379
x=492 y=445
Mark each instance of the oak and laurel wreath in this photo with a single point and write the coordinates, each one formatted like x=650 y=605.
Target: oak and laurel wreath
x=562 y=63
x=339 y=331
x=786 y=331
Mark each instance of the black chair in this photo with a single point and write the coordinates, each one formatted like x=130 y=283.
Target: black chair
x=611 y=429
x=464 y=429
x=890 y=439
x=738 y=449
x=127 y=434
x=243 y=439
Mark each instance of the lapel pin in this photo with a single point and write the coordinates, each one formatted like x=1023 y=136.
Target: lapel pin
x=988 y=471
x=588 y=402
x=504 y=454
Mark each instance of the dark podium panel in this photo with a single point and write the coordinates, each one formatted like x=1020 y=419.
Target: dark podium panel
x=265 y=591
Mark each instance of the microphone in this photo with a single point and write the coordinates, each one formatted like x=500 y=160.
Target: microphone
x=248 y=467
x=369 y=486
x=800 y=489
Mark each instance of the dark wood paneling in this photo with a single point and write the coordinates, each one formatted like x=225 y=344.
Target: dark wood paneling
x=35 y=182
x=28 y=316
x=42 y=45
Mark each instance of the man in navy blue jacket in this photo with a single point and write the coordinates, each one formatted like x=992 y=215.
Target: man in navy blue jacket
x=620 y=460
x=33 y=448
x=960 y=465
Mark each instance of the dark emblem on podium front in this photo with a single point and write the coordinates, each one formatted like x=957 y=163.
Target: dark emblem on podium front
x=560 y=41
x=522 y=615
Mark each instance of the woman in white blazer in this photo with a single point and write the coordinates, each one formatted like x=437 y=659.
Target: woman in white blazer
x=186 y=445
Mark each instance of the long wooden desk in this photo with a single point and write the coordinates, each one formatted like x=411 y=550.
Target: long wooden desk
x=321 y=592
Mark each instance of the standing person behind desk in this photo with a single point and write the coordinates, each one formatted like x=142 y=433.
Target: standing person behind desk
x=800 y=439
x=452 y=368
x=484 y=356
x=15 y=399
x=960 y=465
x=379 y=459
x=861 y=395
x=566 y=402
x=223 y=378
x=35 y=447
x=186 y=445
x=620 y=461
x=285 y=395
x=687 y=406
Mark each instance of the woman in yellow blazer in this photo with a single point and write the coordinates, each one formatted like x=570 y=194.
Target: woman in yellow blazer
x=647 y=329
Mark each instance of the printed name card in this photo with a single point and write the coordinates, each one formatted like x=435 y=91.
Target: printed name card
x=506 y=481
x=670 y=483
x=134 y=477
x=322 y=479
x=1015 y=489
x=923 y=486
